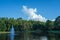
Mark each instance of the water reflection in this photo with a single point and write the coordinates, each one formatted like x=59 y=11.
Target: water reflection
x=43 y=38
x=29 y=36
x=11 y=37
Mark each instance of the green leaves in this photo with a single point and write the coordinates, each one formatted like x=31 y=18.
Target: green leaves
x=20 y=25
x=57 y=22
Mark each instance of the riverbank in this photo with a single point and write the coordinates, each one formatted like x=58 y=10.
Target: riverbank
x=36 y=31
x=4 y=32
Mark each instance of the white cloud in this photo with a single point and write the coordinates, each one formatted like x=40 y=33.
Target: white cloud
x=32 y=14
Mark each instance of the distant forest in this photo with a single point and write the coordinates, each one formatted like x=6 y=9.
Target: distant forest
x=20 y=24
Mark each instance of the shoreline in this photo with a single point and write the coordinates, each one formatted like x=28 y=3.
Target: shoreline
x=4 y=32
x=51 y=31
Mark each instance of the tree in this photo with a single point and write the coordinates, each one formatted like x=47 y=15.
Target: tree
x=49 y=24
x=57 y=23
x=36 y=26
x=2 y=24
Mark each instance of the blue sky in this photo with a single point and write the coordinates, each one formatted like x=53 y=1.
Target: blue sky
x=50 y=9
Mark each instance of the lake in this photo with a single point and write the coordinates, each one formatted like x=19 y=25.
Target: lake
x=30 y=36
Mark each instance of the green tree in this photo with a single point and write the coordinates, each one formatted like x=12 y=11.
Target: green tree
x=57 y=22
x=2 y=24
x=49 y=24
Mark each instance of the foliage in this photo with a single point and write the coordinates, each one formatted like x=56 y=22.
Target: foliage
x=20 y=24
x=57 y=23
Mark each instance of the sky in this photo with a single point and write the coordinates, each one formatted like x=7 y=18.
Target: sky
x=35 y=9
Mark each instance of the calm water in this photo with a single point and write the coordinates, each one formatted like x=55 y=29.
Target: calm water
x=30 y=36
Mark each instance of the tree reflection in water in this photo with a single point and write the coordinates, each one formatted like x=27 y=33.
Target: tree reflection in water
x=30 y=36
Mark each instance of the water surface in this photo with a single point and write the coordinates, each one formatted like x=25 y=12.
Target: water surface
x=30 y=36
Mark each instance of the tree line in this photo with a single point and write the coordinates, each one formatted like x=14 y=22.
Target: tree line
x=20 y=24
